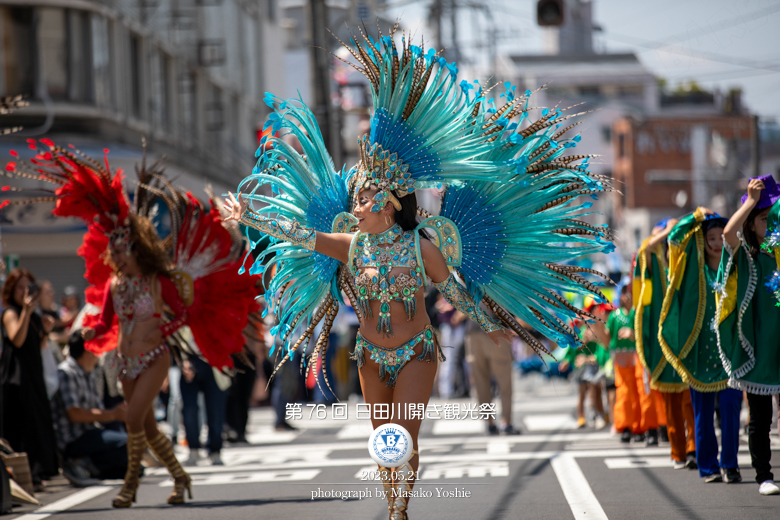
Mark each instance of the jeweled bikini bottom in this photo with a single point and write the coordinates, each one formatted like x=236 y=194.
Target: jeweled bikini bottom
x=392 y=359
x=129 y=368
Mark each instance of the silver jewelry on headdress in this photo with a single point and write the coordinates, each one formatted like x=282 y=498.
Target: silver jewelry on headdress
x=385 y=171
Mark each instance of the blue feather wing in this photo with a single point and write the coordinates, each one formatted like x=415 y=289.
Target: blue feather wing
x=304 y=187
x=515 y=252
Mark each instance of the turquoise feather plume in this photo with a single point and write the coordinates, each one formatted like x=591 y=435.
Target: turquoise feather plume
x=306 y=188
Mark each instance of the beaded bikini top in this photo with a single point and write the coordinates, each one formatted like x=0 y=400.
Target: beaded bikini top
x=392 y=249
x=134 y=301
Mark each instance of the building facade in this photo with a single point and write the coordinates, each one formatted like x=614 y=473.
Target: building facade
x=187 y=75
x=668 y=164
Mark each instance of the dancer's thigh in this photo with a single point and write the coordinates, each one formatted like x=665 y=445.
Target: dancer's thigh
x=140 y=393
x=414 y=385
x=375 y=390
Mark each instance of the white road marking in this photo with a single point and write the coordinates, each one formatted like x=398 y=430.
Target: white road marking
x=583 y=503
x=638 y=462
x=66 y=503
x=606 y=445
x=219 y=479
x=655 y=462
x=544 y=405
x=458 y=427
x=268 y=435
x=430 y=459
x=460 y=470
x=549 y=422
x=360 y=430
x=498 y=448
x=276 y=457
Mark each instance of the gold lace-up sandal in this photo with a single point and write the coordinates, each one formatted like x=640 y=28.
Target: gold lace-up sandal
x=385 y=476
x=136 y=446
x=403 y=488
x=162 y=449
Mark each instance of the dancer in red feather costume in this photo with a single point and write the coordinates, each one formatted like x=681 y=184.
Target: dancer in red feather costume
x=147 y=288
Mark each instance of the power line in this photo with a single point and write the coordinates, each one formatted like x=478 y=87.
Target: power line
x=725 y=24
x=705 y=55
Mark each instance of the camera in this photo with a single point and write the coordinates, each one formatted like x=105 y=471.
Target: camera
x=33 y=289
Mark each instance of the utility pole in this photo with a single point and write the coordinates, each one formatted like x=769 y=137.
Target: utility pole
x=454 y=31
x=320 y=79
x=755 y=148
x=434 y=14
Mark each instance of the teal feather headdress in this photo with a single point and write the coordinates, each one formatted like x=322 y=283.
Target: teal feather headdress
x=512 y=193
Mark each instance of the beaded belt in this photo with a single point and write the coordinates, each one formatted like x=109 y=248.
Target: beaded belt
x=129 y=368
x=392 y=359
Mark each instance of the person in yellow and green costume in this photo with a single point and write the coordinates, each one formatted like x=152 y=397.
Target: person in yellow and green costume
x=650 y=284
x=747 y=314
x=690 y=345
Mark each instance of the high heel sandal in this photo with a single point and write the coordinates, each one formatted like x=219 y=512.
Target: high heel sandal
x=136 y=446
x=163 y=450
x=403 y=488
x=385 y=476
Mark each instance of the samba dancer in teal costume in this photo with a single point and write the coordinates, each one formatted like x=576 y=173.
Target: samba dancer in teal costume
x=508 y=217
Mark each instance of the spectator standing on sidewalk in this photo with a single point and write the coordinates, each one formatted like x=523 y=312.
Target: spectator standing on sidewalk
x=488 y=360
x=199 y=377
x=452 y=331
x=26 y=412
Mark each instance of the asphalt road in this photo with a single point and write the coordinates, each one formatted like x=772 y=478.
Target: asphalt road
x=551 y=471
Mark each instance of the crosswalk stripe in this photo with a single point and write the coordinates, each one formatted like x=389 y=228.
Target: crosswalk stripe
x=550 y=422
x=583 y=503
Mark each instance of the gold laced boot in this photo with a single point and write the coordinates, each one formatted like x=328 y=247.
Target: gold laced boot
x=403 y=488
x=387 y=481
x=162 y=449
x=136 y=446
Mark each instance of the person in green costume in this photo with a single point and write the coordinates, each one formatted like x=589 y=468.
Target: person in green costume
x=689 y=342
x=650 y=285
x=588 y=366
x=747 y=316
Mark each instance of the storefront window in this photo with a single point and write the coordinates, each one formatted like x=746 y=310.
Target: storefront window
x=17 y=53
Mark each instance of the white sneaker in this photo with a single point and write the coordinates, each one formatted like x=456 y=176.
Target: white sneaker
x=768 y=487
x=216 y=460
x=600 y=423
x=678 y=464
x=192 y=460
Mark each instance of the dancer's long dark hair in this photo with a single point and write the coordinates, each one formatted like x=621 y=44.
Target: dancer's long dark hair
x=406 y=217
x=750 y=236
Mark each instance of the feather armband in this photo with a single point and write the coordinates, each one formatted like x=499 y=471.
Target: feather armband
x=459 y=298
x=283 y=229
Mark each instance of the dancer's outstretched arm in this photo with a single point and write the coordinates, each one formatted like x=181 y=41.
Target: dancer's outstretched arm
x=456 y=294
x=736 y=222
x=334 y=245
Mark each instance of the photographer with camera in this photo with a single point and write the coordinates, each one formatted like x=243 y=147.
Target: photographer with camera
x=26 y=414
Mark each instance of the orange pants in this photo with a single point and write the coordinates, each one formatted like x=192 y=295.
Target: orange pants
x=634 y=408
x=679 y=413
x=660 y=407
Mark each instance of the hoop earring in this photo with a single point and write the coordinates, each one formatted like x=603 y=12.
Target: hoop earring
x=387 y=220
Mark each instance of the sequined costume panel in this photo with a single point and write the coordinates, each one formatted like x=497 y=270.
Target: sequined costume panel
x=393 y=249
x=128 y=368
x=391 y=360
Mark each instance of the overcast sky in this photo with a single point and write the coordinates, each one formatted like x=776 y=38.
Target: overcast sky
x=719 y=43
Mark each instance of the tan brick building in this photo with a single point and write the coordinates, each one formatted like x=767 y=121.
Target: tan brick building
x=667 y=165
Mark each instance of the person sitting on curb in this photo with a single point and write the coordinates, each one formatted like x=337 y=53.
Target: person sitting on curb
x=89 y=451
